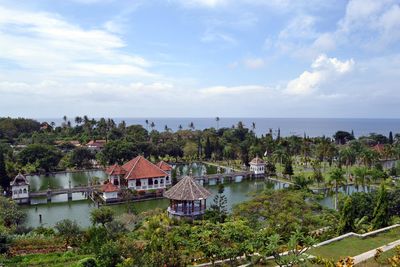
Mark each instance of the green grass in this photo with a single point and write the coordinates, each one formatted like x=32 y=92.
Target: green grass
x=67 y=259
x=354 y=246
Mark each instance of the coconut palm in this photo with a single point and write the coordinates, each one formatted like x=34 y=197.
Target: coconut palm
x=78 y=120
x=361 y=176
x=191 y=125
x=368 y=157
x=347 y=156
x=336 y=179
x=152 y=125
x=217 y=120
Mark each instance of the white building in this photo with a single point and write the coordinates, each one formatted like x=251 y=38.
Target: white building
x=20 y=189
x=257 y=166
x=140 y=174
x=110 y=192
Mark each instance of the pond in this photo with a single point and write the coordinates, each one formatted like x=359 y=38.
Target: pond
x=79 y=210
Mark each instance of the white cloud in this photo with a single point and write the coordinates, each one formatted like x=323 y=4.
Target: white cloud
x=202 y=3
x=324 y=69
x=46 y=42
x=234 y=90
x=254 y=63
x=214 y=36
x=370 y=24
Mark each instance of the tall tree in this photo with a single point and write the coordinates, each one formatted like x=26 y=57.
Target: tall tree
x=4 y=178
x=381 y=216
x=346 y=223
x=337 y=178
x=217 y=120
x=390 y=137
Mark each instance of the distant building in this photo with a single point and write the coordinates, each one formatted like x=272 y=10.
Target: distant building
x=20 y=189
x=110 y=192
x=115 y=174
x=257 y=166
x=165 y=167
x=96 y=145
x=187 y=199
x=140 y=174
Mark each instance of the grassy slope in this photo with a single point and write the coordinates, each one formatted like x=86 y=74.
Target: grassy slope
x=354 y=246
x=50 y=259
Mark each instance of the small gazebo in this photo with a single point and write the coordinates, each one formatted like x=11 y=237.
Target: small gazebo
x=187 y=198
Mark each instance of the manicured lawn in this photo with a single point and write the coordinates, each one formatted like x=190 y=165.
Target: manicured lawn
x=354 y=246
x=67 y=259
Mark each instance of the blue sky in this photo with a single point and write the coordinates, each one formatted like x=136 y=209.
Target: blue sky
x=200 y=58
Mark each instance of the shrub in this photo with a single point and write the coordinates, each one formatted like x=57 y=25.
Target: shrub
x=87 y=262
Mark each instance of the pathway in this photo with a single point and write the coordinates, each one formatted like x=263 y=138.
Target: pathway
x=370 y=254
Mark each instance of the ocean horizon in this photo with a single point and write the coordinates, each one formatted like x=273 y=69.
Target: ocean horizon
x=288 y=126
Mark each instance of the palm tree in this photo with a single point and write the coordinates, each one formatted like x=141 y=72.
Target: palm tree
x=78 y=120
x=368 y=157
x=217 y=120
x=152 y=125
x=361 y=176
x=253 y=125
x=191 y=125
x=348 y=156
x=280 y=155
x=337 y=177
x=180 y=127
x=147 y=124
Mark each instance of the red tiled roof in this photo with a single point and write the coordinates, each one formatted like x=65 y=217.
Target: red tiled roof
x=140 y=167
x=115 y=170
x=378 y=148
x=96 y=143
x=109 y=187
x=164 y=166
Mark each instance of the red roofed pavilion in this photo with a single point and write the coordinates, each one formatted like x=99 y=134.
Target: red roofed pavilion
x=110 y=191
x=139 y=174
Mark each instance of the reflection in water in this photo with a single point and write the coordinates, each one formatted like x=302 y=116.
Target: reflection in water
x=61 y=180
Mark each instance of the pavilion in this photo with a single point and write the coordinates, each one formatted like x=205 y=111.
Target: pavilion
x=187 y=199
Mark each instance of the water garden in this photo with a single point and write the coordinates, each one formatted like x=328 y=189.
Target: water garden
x=312 y=192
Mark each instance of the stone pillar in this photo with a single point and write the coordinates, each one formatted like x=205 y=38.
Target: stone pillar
x=48 y=195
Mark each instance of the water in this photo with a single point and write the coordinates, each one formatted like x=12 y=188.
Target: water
x=61 y=180
x=80 y=210
x=288 y=126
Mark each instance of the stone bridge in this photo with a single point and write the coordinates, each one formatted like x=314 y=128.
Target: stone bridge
x=212 y=179
x=60 y=191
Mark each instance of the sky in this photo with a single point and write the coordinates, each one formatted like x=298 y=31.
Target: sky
x=200 y=58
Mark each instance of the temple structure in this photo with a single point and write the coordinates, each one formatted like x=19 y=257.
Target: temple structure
x=140 y=174
x=187 y=199
x=257 y=166
x=110 y=192
x=20 y=189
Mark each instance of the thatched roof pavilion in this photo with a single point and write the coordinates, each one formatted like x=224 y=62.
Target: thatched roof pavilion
x=187 y=198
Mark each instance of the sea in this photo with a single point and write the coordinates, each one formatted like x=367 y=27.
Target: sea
x=311 y=127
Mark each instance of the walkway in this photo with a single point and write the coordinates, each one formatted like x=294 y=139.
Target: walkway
x=370 y=254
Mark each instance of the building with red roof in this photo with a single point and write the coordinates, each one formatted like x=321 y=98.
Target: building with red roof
x=96 y=144
x=115 y=172
x=110 y=191
x=140 y=174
